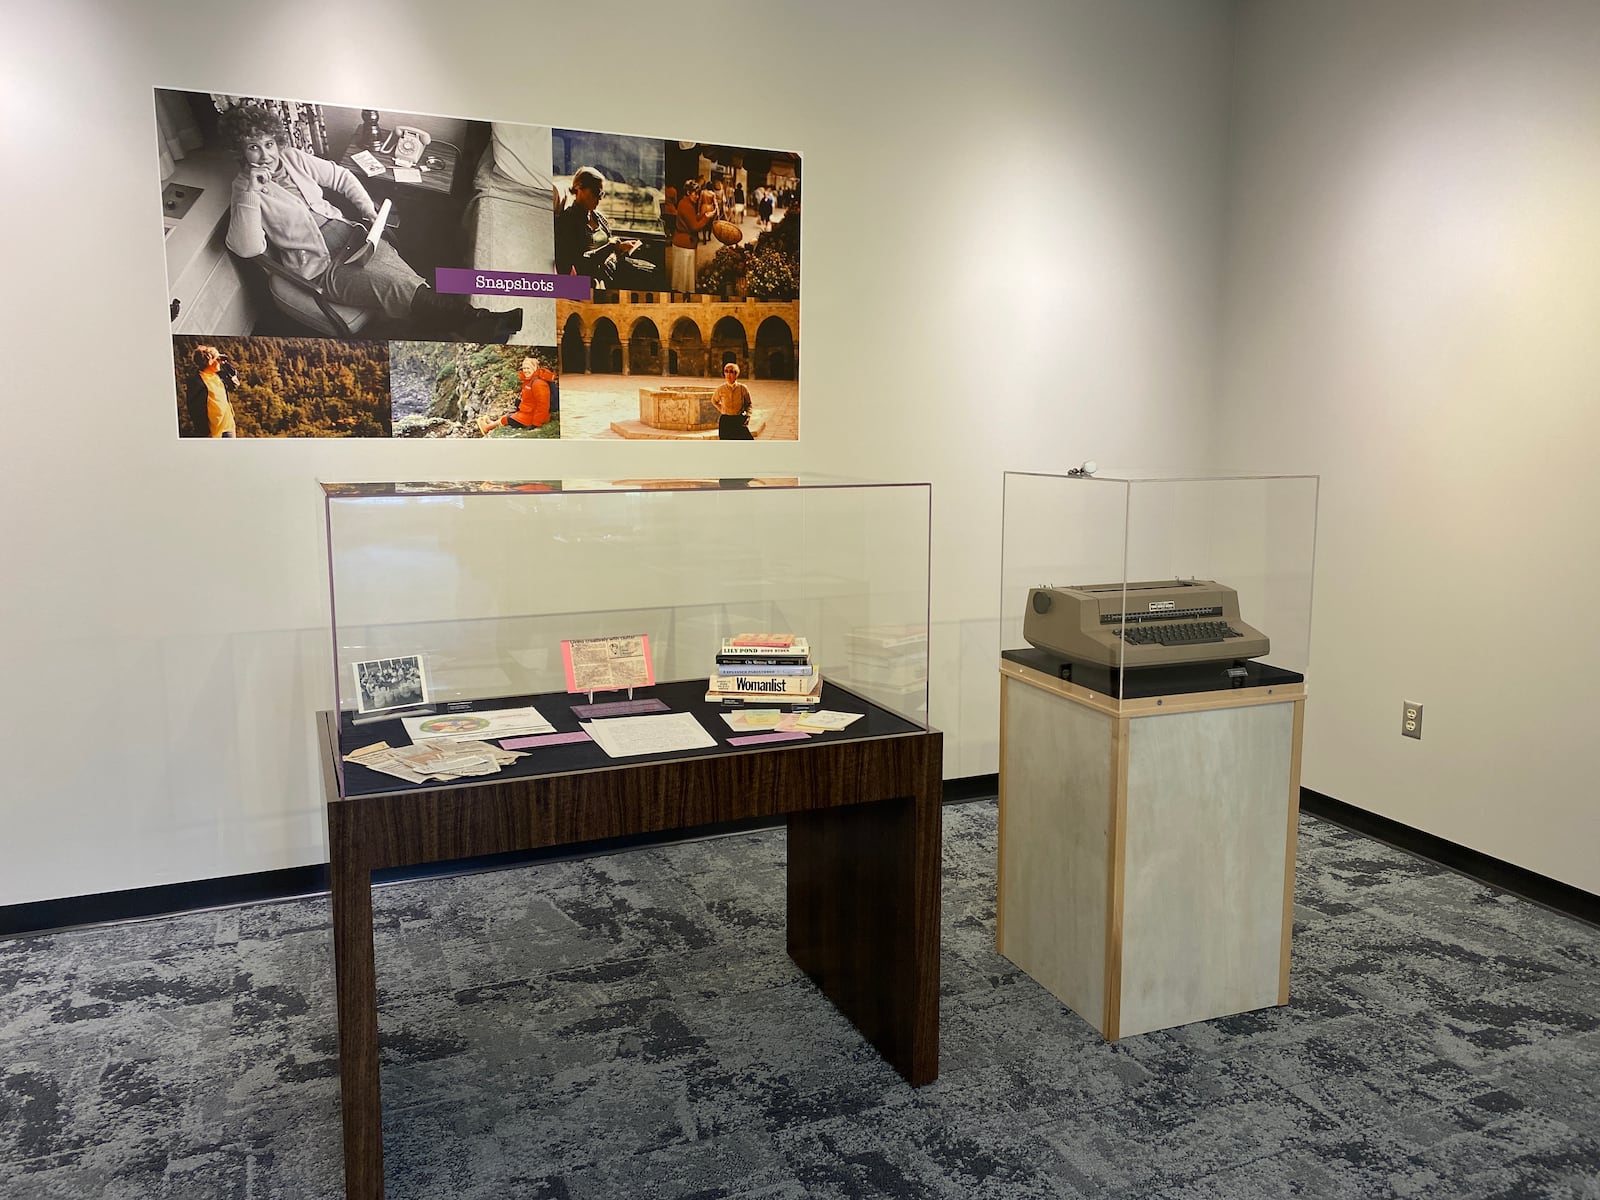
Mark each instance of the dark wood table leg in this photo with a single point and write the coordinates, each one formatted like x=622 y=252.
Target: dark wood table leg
x=864 y=914
x=356 y=988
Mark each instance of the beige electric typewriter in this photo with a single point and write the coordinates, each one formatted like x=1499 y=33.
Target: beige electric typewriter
x=1166 y=622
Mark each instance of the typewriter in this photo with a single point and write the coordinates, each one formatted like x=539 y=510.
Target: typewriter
x=1166 y=622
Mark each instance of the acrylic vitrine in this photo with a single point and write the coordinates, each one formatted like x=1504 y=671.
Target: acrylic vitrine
x=479 y=584
x=1156 y=634
x=457 y=599
x=1124 y=564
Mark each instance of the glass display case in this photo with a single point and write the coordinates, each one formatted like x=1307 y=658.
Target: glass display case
x=1156 y=632
x=1138 y=585
x=453 y=600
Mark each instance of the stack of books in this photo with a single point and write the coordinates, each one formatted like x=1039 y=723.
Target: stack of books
x=889 y=659
x=765 y=668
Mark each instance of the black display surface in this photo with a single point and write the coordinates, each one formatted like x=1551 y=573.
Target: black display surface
x=1138 y=683
x=556 y=707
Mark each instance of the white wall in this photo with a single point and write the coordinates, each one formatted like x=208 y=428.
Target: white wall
x=1413 y=282
x=1011 y=261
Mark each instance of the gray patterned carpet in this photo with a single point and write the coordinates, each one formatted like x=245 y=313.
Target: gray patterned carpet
x=631 y=1027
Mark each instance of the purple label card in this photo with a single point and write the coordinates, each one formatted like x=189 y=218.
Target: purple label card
x=519 y=285
x=542 y=739
x=618 y=708
x=757 y=739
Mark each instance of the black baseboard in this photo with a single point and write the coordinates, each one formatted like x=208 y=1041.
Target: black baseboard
x=138 y=904
x=1496 y=872
x=972 y=787
x=168 y=899
x=134 y=904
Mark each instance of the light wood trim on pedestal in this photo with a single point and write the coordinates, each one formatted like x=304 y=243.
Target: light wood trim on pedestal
x=1000 y=837
x=1153 y=706
x=1289 y=849
x=1111 y=1015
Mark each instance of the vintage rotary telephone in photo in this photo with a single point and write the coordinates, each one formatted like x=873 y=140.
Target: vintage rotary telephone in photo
x=408 y=146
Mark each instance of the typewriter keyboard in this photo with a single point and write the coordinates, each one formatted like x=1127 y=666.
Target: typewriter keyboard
x=1178 y=633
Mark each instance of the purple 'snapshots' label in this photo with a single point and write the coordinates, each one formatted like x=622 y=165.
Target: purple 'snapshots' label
x=469 y=281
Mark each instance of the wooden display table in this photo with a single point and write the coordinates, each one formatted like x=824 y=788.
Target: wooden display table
x=1146 y=874
x=863 y=809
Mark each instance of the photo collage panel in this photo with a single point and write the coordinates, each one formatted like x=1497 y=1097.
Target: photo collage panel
x=356 y=272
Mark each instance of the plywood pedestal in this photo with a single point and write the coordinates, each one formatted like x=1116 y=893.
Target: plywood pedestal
x=1146 y=874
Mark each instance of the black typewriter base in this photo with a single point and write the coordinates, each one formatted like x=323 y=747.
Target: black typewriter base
x=1140 y=682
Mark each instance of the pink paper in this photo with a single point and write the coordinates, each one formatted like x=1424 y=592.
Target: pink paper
x=542 y=739
x=755 y=739
x=574 y=684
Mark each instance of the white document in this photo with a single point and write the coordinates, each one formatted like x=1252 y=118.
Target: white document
x=477 y=726
x=379 y=222
x=368 y=162
x=622 y=737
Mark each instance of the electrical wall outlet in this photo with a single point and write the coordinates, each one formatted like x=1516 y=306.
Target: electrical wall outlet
x=1411 y=719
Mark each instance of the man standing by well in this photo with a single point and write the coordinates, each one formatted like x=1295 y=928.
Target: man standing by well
x=732 y=399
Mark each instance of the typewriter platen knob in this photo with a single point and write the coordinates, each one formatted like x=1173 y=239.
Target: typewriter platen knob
x=1041 y=601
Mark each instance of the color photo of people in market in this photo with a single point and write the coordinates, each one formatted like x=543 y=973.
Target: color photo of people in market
x=659 y=356
x=734 y=227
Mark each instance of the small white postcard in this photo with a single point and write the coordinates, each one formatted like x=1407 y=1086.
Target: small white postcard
x=385 y=683
x=477 y=726
x=824 y=720
x=760 y=720
x=623 y=737
x=368 y=162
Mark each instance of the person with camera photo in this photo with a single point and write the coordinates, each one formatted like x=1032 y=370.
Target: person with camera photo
x=206 y=396
x=585 y=244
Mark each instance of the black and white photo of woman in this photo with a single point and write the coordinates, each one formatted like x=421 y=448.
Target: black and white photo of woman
x=280 y=206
